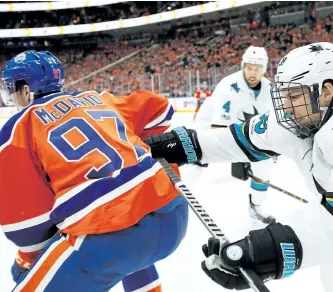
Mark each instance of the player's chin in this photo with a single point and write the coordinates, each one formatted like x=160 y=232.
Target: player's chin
x=303 y=121
x=253 y=83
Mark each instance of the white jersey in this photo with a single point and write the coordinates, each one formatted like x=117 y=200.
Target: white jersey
x=256 y=140
x=233 y=101
x=260 y=137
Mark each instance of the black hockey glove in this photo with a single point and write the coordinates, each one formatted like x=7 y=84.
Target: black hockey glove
x=241 y=170
x=179 y=146
x=274 y=252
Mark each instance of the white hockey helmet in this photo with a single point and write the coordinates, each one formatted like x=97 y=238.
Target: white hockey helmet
x=256 y=56
x=306 y=67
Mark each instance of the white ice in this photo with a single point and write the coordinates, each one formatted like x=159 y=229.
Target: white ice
x=225 y=199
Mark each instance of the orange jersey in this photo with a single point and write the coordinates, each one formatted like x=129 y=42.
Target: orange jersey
x=77 y=163
x=201 y=94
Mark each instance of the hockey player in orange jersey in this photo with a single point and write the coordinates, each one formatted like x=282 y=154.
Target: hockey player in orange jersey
x=91 y=205
x=201 y=94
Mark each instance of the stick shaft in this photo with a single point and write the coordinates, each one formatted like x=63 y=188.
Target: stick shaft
x=250 y=276
x=278 y=189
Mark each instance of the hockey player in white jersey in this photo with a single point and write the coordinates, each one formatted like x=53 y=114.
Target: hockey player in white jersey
x=300 y=127
x=237 y=98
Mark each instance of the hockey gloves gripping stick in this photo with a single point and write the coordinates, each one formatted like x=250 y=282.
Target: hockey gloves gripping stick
x=246 y=273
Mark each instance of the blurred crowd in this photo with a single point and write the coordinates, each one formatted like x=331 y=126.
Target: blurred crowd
x=177 y=64
x=320 y=31
x=172 y=67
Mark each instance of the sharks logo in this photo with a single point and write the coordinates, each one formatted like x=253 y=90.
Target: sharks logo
x=248 y=116
x=235 y=87
x=316 y=48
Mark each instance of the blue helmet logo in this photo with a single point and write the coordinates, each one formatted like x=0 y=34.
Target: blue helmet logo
x=42 y=71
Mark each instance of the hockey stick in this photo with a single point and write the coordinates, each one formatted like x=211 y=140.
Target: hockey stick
x=250 y=276
x=275 y=187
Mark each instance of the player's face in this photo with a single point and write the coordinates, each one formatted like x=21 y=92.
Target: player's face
x=297 y=105
x=253 y=74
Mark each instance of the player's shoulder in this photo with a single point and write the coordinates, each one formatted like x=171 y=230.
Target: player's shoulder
x=234 y=77
x=145 y=97
x=265 y=81
x=141 y=100
x=230 y=82
x=137 y=97
x=148 y=95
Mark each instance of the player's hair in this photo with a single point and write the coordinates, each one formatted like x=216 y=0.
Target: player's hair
x=19 y=85
x=327 y=80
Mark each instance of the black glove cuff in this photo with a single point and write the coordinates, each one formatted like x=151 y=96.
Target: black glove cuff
x=288 y=247
x=189 y=141
x=285 y=248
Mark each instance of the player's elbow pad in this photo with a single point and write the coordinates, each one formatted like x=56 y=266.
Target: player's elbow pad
x=179 y=146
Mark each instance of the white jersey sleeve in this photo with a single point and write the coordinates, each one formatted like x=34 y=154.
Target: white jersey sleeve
x=255 y=140
x=258 y=139
x=249 y=141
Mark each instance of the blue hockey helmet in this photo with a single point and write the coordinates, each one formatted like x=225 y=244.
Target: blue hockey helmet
x=42 y=71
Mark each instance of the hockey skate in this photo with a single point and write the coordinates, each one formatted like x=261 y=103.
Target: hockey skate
x=259 y=219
